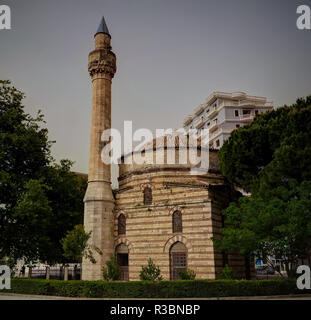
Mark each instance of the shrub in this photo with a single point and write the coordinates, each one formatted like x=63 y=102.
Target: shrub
x=227 y=273
x=161 y=289
x=112 y=271
x=187 y=274
x=151 y=272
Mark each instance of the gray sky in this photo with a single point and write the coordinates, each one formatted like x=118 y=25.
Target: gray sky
x=171 y=55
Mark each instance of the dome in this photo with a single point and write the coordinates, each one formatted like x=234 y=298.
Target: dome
x=171 y=152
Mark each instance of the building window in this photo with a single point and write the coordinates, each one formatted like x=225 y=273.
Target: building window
x=238 y=126
x=208 y=124
x=177 y=221
x=236 y=113
x=147 y=196
x=246 y=112
x=256 y=112
x=217 y=143
x=178 y=259
x=121 y=224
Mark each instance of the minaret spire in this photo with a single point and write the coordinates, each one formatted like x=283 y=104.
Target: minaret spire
x=102 y=28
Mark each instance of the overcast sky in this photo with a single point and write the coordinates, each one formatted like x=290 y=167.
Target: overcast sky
x=171 y=54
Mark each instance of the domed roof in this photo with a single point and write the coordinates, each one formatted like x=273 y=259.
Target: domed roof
x=174 y=140
x=170 y=152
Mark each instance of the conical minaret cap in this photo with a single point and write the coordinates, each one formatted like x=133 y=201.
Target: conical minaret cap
x=102 y=28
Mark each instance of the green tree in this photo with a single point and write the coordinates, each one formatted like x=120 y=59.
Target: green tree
x=32 y=217
x=24 y=152
x=151 y=272
x=39 y=200
x=271 y=158
x=65 y=192
x=278 y=225
x=76 y=247
x=112 y=271
x=274 y=148
x=227 y=273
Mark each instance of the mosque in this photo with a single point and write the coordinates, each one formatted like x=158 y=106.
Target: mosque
x=164 y=212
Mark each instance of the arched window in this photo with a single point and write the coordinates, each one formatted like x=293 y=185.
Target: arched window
x=177 y=221
x=178 y=259
x=147 y=196
x=121 y=224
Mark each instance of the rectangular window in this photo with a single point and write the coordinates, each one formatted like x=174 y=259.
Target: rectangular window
x=236 y=113
x=217 y=143
x=256 y=111
x=238 y=126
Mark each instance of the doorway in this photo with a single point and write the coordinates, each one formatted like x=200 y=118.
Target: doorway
x=122 y=256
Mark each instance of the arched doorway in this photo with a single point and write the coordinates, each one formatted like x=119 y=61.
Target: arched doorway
x=122 y=256
x=178 y=259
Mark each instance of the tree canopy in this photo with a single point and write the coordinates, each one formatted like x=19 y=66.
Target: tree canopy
x=272 y=149
x=271 y=158
x=39 y=199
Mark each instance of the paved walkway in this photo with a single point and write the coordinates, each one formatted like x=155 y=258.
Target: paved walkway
x=13 y=296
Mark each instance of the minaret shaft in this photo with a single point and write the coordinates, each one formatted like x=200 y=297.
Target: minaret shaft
x=99 y=200
x=101 y=120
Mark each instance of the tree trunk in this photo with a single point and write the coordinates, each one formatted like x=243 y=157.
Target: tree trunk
x=66 y=273
x=29 y=272
x=247 y=267
x=47 y=273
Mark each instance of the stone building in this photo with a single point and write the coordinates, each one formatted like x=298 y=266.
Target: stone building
x=166 y=212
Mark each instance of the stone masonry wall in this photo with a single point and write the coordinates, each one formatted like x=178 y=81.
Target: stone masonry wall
x=149 y=228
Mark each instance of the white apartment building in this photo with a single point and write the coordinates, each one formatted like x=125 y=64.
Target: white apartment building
x=224 y=112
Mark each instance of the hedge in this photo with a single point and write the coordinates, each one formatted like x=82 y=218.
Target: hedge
x=162 y=289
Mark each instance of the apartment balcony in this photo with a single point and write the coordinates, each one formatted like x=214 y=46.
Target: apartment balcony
x=248 y=104
x=199 y=109
x=215 y=109
x=247 y=117
x=187 y=120
x=213 y=112
x=215 y=134
x=213 y=127
x=229 y=104
x=199 y=123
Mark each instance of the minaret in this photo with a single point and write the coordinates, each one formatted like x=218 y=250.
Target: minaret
x=99 y=201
